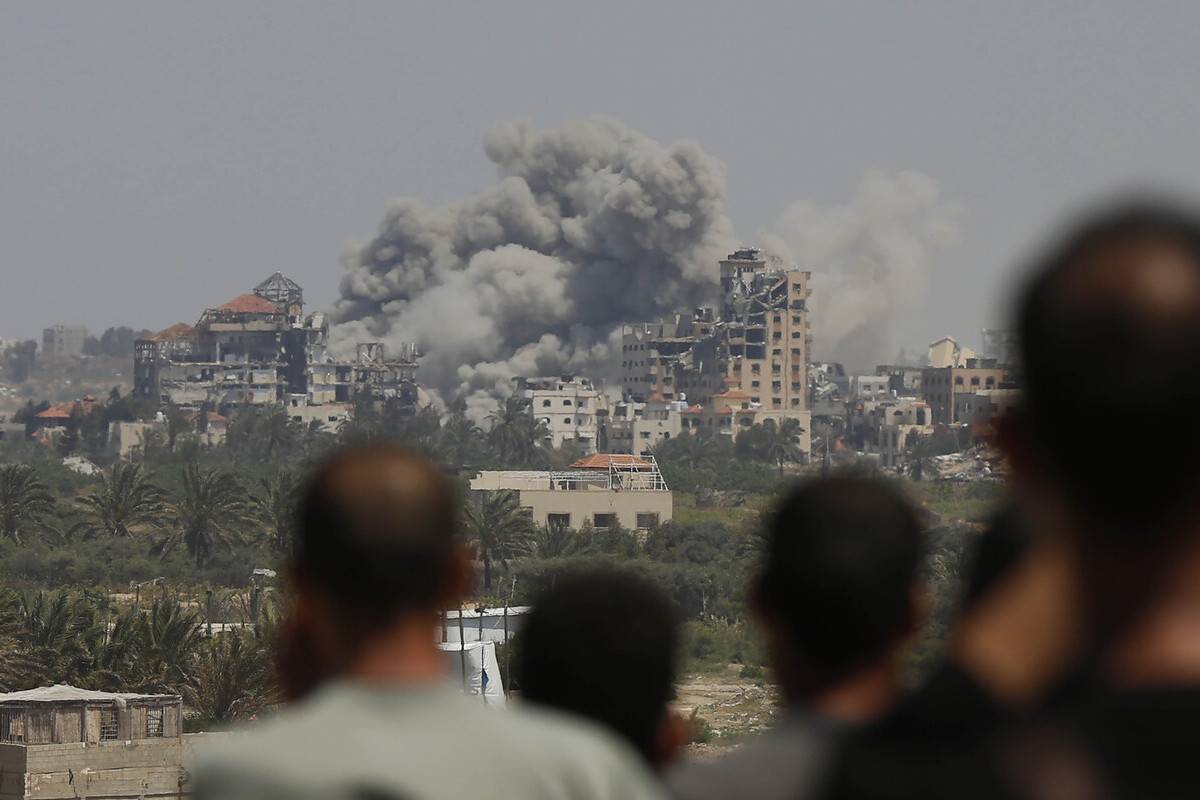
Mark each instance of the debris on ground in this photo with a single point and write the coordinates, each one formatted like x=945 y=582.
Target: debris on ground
x=81 y=465
x=727 y=708
x=977 y=464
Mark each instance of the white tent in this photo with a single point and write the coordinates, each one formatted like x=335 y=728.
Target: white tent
x=474 y=668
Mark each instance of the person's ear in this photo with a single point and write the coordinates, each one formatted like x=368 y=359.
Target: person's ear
x=458 y=577
x=674 y=734
x=1013 y=438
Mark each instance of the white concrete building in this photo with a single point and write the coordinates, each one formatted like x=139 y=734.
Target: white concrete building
x=568 y=405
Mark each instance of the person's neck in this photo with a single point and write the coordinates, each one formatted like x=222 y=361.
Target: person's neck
x=1163 y=647
x=860 y=698
x=404 y=654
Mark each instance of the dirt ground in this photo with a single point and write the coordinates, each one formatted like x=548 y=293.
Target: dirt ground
x=725 y=708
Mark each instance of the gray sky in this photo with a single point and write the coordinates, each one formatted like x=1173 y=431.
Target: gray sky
x=156 y=158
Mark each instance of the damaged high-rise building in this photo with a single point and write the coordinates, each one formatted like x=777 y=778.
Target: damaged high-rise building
x=261 y=349
x=756 y=341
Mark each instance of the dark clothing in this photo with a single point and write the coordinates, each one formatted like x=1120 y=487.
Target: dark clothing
x=789 y=762
x=930 y=746
x=951 y=740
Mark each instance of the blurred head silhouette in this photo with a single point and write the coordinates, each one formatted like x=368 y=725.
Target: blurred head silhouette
x=602 y=644
x=1109 y=329
x=375 y=558
x=838 y=592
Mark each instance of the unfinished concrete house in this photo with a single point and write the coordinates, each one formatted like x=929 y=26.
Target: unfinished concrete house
x=602 y=490
x=261 y=349
x=63 y=742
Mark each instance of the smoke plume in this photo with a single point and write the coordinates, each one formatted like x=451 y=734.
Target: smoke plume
x=871 y=259
x=590 y=225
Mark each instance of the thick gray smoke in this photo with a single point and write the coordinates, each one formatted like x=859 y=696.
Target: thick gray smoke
x=591 y=225
x=871 y=260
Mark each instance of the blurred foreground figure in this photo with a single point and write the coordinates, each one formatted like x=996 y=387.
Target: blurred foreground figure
x=837 y=599
x=603 y=645
x=375 y=560
x=1078 y=674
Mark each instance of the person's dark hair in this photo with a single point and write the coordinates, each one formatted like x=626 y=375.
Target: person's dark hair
x=840 y=565
x=376 y=532
x=602 y=644
x=1109 y=338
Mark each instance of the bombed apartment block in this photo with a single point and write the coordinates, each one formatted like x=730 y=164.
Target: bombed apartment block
x=63 y=742
x=757 y=339
x=571 y=408
x=261 y=349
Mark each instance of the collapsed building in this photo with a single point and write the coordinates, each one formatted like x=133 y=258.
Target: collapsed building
x=756 y=341
x=261 y=349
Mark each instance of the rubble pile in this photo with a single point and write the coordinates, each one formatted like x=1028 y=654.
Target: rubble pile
x=977 y=464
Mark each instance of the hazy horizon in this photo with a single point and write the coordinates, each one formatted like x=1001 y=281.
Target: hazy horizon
x=161 y=159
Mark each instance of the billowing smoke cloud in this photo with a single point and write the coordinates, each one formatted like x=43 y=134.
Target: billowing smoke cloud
x=589 y=226
x=871 y=259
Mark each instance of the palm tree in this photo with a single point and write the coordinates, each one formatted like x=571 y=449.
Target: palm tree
x=276 y=432
x=171 y=639
x=514 y=433
x=275 y=507
x=231 y=679
x=556 y=541
x=24 y=500
x=127 y=503
x=19 y=667
x=460 y=438
x=209 y=511
x=780 y=442
x=498 y=527
x=50 y=627
x=694 y=450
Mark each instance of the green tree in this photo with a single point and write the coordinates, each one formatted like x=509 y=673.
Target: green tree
x=694 y=450
x=498 y=528
x=208 y=511
x=171 y=639
x=25 y=501
x=555 y=541
x=274 y=506
x=231 y=678
x=780 y=443
x=177 y=425
x=460 y=441
x=50 y=625
x=125 y=504
x=514 y=433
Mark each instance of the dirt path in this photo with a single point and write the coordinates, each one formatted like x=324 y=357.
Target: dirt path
x=726 y=709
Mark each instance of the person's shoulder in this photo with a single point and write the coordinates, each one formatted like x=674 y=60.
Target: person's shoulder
x=263 y=751
x=785 y=762
x=582 y=752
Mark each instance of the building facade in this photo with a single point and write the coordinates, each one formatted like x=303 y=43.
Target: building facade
x=63 y=341
x=570 y=406
x=940 y=385
x=260 y=349
x=600 y=491
x=63 y=742
x=757 y=339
